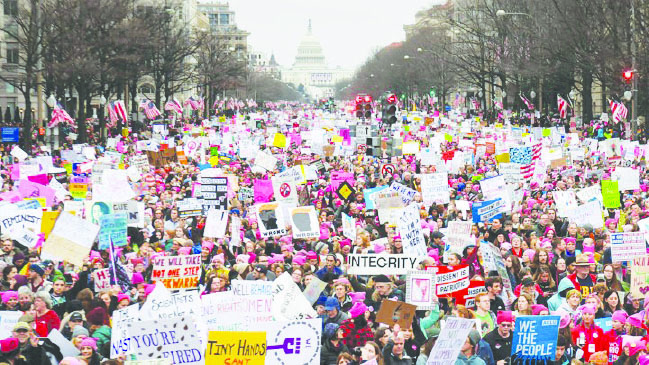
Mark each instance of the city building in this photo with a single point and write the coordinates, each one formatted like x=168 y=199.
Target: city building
x=310 y=70
x=222 y=22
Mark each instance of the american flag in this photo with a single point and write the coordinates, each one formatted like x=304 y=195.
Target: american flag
x=150 y=109
x=476 y=103
x=218 y=104
x=562 y=104
x=527 y=102
x=59 y=115
x=116 y=110
x=526 y=156
x=619 y=112
x=174 y=105
x=193 y=103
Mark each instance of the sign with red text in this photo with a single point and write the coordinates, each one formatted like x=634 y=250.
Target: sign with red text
x=177 y=272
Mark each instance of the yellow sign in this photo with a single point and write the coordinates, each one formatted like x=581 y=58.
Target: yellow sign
x=230 y=347
x=222 y=119
x=47 y=223
x=124 y=132
x=79 y=191
x=41 y=201
x=214 y=160
x=279 y=140
x=448 y=137
x=337 y=139
x=502 y=158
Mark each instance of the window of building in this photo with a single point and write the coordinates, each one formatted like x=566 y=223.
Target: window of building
x=147 y=89
x=9 y=88
x=12 y=55
x=224 y=19
x=11 y=7
x=214 y=20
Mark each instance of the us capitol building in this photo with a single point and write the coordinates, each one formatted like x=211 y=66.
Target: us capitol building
x=311 y=70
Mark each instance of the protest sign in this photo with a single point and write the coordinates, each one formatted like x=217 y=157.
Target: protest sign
x=288 y=301
x=7 y=321
x=78 y=191
x=412 y=236
x=121 y=317
x=450 y=341
x=66 y=347
x=270 y=219
x=588 y=213
x=640 y=277
x=313 y=290
x=216 y=223
x=230 y=347
x=375 y=264
x=593 y=192
x=565 y=202
x=304 y=221
x=452 y=281
x=628 y=245
x=25 y=237
x=134 y=211
x=112 y=229
x=627 y=178
x=458 y=236
x=176 y=339
x=140 y=162
x=605 y=323
x=488 y=210
x=149 y=362
x=284 y=190
x=394 y=311
x=101 y=279
x=283 y=337
x=493 y=261
x=349 y=226
x=420 y=289
x=249 y=287
x=265 y=160
x=404 y=192
x=387 y=199
x=535 y=337
x=610 y=194
x=162 y=158
x=162 y=304
x=214 y=191
x=70 y=239
x=475 y=287
x=434 y=188
x=13 y=220
x=226 y=311
x=177 y=272
x=189 y=207
x=511 y=172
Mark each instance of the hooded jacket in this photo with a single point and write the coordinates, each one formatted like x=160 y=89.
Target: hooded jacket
x=559 y=298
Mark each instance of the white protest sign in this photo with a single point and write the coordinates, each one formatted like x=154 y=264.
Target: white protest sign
x=593 y=192
x=25 y=237
x=265 y=160
x=588 y=213
x=177 y=339
x=282 y=337
x=304 y=221
x=434 y=188
x=177 y=272
x=251 y=287
x=420 y=289
x=565 y=201
x=285 y=190
x=134 y=212
x=511 y=172
x=412 y=235
x=122 y=317
x=458 y=236
x=387 y=199
x=450 y=341
x=627 y=178
x=13 y=220
x=288 y=301
x=101 y=279
x=226 y=311
x=376 y=264
x=70 y=239
x=628 y=245
x=66 y=347
x=18 y=153
x=270 y=219
x=7 y=321
x=313 y=290
x=162 y=304
x=349 y=226
x=405 y=192
x=216 y=223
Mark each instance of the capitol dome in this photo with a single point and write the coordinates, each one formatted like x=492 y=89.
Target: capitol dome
x=309 y=52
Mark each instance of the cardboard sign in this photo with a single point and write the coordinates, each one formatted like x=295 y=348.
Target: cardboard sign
x=393 y=311
x=434 y=188
x=450 y=341
x=162 y=158
x=177 y=272
x=535 y=337
x=374 y=264
x=304 y=221
x=627 y=245
x=270 y=219
x=214 y=191
x=226 y=311
x=236 y=348
x=288 y=301
x=420 y=289
x=101 y=279
x=70 y=239
x=412 y=235
x=640 y=277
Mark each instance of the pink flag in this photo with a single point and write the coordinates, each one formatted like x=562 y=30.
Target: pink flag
x=39 y=179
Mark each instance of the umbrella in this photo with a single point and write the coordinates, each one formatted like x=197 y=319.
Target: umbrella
x=8 y=116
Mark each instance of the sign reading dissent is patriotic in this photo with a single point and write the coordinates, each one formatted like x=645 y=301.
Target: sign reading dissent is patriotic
x=628 y=245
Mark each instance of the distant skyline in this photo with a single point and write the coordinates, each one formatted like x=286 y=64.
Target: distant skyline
x=350 y=31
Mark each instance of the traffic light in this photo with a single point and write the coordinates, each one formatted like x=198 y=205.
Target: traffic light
x=364 y=106
x=628 y=75
x=390 y=109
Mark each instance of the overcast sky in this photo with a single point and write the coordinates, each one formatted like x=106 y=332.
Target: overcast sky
x=349 y=30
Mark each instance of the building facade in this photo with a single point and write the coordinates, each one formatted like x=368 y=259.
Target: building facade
x=311 y=71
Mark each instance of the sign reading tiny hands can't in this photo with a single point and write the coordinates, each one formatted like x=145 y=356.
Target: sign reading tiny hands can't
x=373 y=264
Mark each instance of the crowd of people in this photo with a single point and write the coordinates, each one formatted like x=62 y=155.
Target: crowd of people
x=554 y=266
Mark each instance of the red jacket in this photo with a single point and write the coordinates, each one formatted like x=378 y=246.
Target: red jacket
x=573 y=277
x=614 y=342
x=593 y=339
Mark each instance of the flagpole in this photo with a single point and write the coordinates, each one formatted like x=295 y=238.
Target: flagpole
x=112 y=258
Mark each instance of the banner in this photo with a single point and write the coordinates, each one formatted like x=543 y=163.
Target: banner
x=70 y=240
x=375 y=264
x=487 y=211
x=434 y=188
x=420 y=289
x=535 y=337
x=176 y=339
x=450 y=341
x=226 y=347
x=288 y=301
x=226 y=311
x=640 y=277
x=412 y=237
x=112 y=228
x=214 y=191
x=270 y=220
x=452 y=281
x=304 y=221
x=177 y=272
x=628 y=245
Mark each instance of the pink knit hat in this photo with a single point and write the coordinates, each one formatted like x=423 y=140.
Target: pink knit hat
x=359 y=308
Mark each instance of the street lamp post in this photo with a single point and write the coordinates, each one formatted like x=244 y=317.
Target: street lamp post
x=50 y=132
